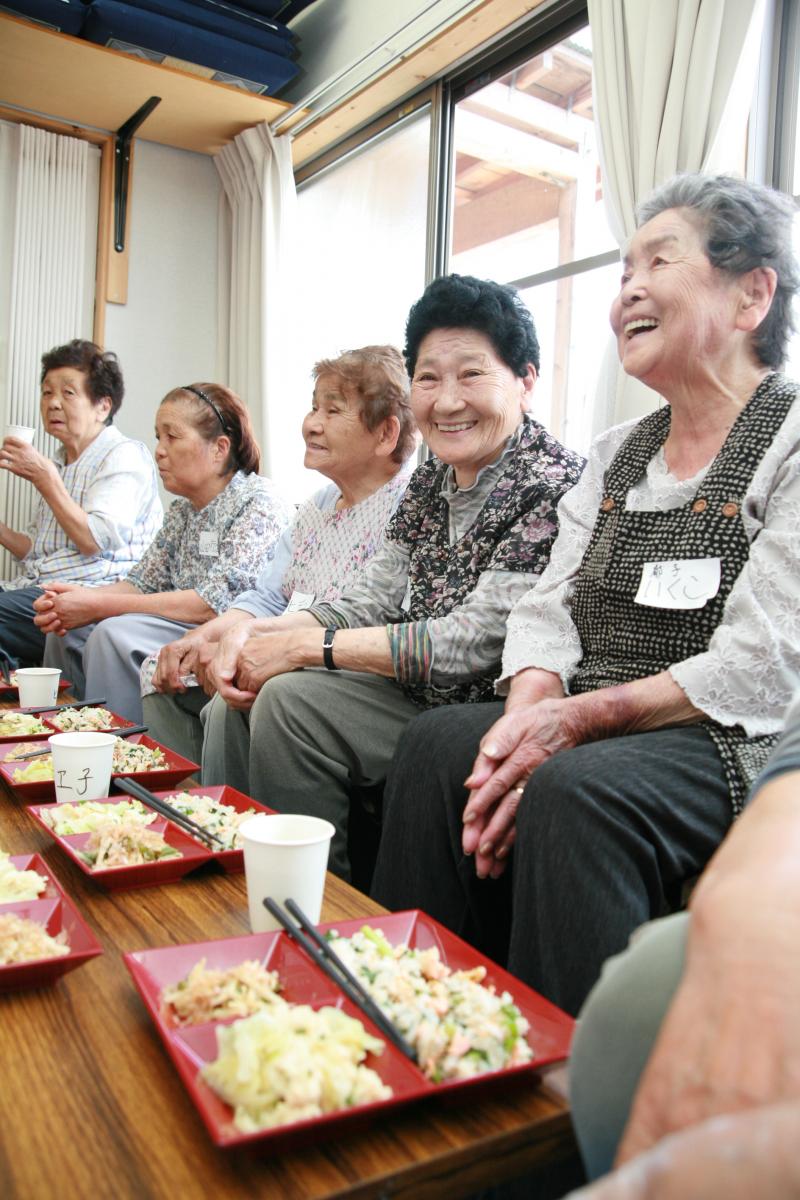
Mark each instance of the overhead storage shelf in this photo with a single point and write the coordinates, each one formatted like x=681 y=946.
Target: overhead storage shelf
x=84 y=84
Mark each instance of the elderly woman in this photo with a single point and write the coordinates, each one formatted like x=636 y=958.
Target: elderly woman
x=213 y=544
x=648 y=671
x=98 y=508
x=360 y=434
x=425 y=625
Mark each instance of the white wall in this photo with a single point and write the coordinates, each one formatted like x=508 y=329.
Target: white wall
x=166 y=334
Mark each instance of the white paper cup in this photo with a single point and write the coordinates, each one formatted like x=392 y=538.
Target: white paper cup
x=37 y=685
x=285 y=855
x=81 y=765
x=25 y=433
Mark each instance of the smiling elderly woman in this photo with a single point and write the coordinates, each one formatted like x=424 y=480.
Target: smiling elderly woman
x=649 y=669
x=98 y=508
x=425 y=624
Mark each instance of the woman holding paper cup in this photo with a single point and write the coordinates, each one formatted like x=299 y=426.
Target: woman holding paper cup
x=214 y=542
x=98 y=499
x=648 y=671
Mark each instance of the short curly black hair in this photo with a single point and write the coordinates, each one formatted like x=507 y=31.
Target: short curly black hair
x=101 y=368
x=462 y=301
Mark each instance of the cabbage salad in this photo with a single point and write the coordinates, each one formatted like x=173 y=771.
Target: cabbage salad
x=211 y=994
x=23 y=940
x=218 y=818
x=16 y=884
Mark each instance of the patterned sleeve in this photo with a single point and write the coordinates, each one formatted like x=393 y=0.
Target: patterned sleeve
x=249 y=544
x=153 y=572
x=376 y=598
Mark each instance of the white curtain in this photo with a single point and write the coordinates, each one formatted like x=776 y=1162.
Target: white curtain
x=258 y=220
x=48 y=241
x=673 y=82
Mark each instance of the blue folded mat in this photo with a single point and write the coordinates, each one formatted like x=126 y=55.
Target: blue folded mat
x=67 y=16
x=244 y=17
x=218 y=22
x=134 y=30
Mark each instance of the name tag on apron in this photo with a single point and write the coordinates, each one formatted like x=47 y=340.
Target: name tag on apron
x=679 y=583
x=299 y=601
x=209 y=547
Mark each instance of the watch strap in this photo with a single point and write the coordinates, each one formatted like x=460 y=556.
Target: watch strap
x=327 y=650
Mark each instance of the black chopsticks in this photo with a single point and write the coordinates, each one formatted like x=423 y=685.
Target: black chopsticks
x=133 y=788
x=126 y=732
x=56 y=707
x=328 y=961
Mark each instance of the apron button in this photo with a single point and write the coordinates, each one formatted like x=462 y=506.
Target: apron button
x=700 y=506
x=607 y=504
x=730 y=509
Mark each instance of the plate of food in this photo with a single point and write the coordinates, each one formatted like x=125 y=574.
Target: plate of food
x=137 y=757
x=92 y=719
x=229 y=1011
x=42 y=934
x=121 y=844
x=221 y=810
x=7 y=690
x=16 y=726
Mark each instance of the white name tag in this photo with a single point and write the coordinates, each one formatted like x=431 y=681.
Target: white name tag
x=300 y=600
x=679 y=583
x=209 y=547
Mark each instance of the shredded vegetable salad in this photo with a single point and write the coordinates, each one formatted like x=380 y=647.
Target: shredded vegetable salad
x=127 y=844
x=209 y=993
x=16 y=884
x=82 y=720
x=23 y=940
x=288 y=1063
x=129 y=758
x=218 y=818
x=458 y=1026
x=17 y=724
x=65 y=819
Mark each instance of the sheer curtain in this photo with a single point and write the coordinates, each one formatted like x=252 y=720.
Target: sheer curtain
x=48 y=245
x=257 y=218
x=673 y=82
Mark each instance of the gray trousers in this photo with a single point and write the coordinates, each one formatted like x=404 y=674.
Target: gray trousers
x=309 y=739
x=104 y=659
x=175 y=720
x=617 y=1027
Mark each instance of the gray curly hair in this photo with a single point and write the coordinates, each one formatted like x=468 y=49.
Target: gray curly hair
x=745 y=225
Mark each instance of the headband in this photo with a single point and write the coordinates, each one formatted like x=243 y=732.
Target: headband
x=202 y=396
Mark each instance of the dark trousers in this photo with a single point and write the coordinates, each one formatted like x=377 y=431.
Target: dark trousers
x=606 y=836
x=21 y=642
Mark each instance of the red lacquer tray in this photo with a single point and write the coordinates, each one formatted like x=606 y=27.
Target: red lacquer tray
x=229 y=860
x=303 y=983
x=46 y=718
x=56 y=912
x=166 y=870
x=177 y=768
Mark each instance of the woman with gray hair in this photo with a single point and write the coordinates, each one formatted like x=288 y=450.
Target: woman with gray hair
x=648 y=671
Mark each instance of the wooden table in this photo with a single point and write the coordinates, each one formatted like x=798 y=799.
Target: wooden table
x=91 y=1106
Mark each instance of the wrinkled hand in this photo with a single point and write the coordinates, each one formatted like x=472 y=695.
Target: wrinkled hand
x=264 y=656
x=731 y=1038
x=23 y=460
x=220 y=674
x=737 y=1157
x=65 y=606
x=509 y=753
x=177 y=659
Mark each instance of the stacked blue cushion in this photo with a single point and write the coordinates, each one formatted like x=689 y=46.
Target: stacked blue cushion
x=65 y=15
x=110 y=22
x=215 y=20
x=243 y=17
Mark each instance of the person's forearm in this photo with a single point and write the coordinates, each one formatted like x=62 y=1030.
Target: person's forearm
x=364 y=650
x=18 y=543
x=638 y=707
x=294 y=620
x=532 y=685
x=70 y=516
x=219 y=626
x=184 y=605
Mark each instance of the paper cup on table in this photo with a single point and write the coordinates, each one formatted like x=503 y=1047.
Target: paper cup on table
x=81 y=765
x=37 y=685
x=285 y=855
x=25 y=433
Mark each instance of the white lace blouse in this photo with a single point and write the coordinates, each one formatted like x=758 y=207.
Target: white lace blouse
x=751 y=669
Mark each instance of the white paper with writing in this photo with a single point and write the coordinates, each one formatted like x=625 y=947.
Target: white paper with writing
x=209 y=547
x=299 y=601
x=679 y=583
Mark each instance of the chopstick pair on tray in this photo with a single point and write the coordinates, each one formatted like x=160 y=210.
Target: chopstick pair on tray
x=55 y=707
x=139 y=792
x=320 y=951
x=46 y=749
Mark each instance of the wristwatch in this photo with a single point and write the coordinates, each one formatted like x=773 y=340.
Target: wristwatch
x=327 y=650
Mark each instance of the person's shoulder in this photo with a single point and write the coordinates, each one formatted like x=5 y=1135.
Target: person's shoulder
x=260 y=490
x=324 y=498
x=116 y=447
x=547 y=464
